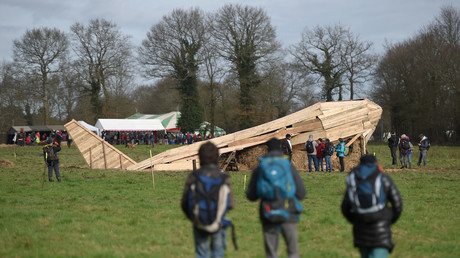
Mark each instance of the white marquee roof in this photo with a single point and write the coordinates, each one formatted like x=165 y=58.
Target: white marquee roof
x=129 y=125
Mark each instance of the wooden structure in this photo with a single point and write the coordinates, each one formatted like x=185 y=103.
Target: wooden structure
x=350 y=120
x=97 y=153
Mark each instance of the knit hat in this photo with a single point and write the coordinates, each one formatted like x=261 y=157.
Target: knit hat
x=368 y=159
x=274 y=144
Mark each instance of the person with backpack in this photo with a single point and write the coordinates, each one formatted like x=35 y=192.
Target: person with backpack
x=424 y=146
x=51 y=159
x=206 y=199
x=286 y=146
x=340 y=149
x=320 y=153
x=365 y=205
x=310 y=147
x=404 y=148
x=277 y=183
x=393 y=145
x=328 y=151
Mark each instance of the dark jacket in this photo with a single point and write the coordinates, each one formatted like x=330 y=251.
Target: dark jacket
x=56 y=149
x=251 y=192
x=424 y=144
x=374 y=229
x=285 y=147
x=209 y=171
x=393 y=141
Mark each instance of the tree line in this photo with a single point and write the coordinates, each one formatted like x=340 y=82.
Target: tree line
x=226 y=67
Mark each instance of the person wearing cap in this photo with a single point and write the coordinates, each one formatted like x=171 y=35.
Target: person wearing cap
x=286 y=146
x=52 y=163
x=393 y=145
x=271 y=230
x=372 y=231
x=424 y=146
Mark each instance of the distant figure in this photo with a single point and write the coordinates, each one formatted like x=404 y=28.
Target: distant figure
x=328 y=152
x=320 y=153
x=393 y=145
x=279 y=207
x=340 y=149
x=424 y=146
x=152 y=140
x=365 y=205
x=286 y=146
x=310 y=147
x=51 y=159
x=404 y=149
x=207 y=197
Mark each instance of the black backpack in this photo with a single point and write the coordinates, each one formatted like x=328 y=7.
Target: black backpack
x=405 y=145
x=50 y=155
x=366 y=193
x=309 y=147
x=329 y=149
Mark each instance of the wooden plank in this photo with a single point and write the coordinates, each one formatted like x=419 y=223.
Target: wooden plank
x=353 y=140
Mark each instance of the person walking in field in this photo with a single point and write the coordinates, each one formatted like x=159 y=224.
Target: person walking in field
x=393 y=145
x=424 y=146
x=277 y=183
x=404 y=149
x=365 y=206
x=206 y=199
x=51 y=159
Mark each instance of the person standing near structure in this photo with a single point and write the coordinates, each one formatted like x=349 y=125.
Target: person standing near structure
x=404 y=148
x=340 y=149
x=310 y=147
x=424 y=146
x=393 y=145
x=276 y=181
x=365 y=205
x=328 y=151
x=51 y=159
x=286 y=146
x=320 y=153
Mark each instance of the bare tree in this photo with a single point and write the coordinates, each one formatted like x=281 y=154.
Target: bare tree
x=39 y=52
x=246 y=38
x=358 y=62
x=320 y=51
x=172 y=50
x=103 y=51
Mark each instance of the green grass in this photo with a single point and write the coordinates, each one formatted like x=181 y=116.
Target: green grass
x=97 y=213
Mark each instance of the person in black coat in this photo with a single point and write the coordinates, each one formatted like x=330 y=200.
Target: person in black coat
x=372 y=231
x=393 y=143
x=52 y=159
x=286 y=146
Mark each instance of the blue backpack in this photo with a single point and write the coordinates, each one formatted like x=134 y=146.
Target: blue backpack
x=276 y=188
x=208 y=201
x=366 y=193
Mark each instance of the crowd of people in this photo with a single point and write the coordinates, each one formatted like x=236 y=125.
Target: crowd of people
x=406 y=148
x=22 y=138
x=152 y=138
x=319 y=152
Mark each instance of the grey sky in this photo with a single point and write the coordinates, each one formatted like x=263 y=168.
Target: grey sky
x=376 y=21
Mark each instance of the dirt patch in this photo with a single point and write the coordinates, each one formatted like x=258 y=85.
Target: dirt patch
x=4 y=163
x=247 y=159
x=6 y=145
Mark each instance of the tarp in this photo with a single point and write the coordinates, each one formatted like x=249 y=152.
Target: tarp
x=36 y=128
x=168 y=120
x=90 y=127
x=129 y=125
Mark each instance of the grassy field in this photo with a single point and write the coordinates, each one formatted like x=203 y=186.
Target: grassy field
x=96 y=213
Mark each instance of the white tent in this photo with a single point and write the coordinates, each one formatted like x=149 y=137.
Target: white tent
x=129 y=125
x=169 y=120
x=90 y=127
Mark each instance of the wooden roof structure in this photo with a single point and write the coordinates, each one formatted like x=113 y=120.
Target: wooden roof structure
x=350 y=119
x=97 y=153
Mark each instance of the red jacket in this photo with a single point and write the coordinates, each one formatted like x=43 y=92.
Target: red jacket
x=319 y=150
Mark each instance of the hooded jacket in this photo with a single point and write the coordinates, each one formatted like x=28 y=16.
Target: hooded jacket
x=374 y=229
x=251 y=192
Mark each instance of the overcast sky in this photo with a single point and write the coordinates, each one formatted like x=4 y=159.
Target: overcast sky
x=375 y=21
